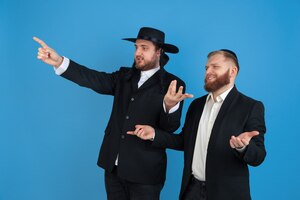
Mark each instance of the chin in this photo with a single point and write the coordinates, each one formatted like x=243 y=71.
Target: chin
x=139 y=66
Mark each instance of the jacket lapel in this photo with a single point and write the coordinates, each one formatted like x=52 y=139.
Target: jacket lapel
x=154 y=79
x=134 y=78
x=225 y=108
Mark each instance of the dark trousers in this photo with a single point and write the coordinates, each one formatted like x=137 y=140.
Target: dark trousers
x=119 y=189
x=196 y=190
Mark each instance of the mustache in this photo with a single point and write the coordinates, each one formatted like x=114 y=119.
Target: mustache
x=139 y=57
x=209 y=76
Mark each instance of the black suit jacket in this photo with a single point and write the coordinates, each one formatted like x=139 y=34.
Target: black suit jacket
x=138 y=161
x=227 y=175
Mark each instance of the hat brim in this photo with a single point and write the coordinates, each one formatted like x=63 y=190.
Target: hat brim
x=169 y=48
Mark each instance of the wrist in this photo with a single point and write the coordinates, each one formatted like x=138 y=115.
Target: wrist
x=168 y=105
x=59 y=62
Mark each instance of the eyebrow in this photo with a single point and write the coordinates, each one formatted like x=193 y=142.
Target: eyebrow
x=141 y=45
x=214 y=64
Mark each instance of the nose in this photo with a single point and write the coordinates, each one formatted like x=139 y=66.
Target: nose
x=207 y=72
x=137 y=52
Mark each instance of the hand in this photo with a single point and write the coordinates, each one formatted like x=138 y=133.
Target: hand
x=144 y=132
x=48 y=55
x=242 y=140
x=172 y=97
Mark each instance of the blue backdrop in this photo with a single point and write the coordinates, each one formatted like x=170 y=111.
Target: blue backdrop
x=51 y=129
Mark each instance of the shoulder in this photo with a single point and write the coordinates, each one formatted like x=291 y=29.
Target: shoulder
x=170 y=77
x=125 y=69
x=249 y=102
x=248 y=99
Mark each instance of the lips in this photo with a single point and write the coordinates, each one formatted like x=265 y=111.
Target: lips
x=209 y=78
x=138 y=59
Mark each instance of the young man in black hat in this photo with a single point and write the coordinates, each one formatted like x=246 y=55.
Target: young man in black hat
x=223 y=133
x=134 y=169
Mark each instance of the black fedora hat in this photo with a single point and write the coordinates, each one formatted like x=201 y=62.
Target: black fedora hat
x=156 y=36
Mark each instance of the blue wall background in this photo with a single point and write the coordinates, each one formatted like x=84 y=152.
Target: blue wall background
x=51 y=129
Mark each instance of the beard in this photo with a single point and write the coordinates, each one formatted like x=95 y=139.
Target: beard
x=142 y=64
x=219 y=82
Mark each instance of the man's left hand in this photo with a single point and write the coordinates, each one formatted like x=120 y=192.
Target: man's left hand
x=242 y=140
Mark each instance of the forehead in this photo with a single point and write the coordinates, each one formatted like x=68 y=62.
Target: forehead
x=216 y=59
x=141 y=42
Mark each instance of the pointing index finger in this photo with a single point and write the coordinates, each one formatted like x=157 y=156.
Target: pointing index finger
x=41 y=42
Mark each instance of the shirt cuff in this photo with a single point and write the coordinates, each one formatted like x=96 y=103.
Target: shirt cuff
x=63 y=67
x=173 y=109
x=241 y=149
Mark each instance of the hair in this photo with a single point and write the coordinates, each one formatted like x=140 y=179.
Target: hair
x=228 y=54
x=164 y=58
x=157 y=46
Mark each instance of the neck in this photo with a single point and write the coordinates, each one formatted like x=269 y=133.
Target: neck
x=221 y=90
x=144 y=70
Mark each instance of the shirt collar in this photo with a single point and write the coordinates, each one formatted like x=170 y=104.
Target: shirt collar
x=150 y=72
x=219 y=98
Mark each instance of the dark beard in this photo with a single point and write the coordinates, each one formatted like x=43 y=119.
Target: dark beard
x=218 y=83
x=148 y=65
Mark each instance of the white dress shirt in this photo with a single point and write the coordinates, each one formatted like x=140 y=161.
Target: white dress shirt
x=208 y=117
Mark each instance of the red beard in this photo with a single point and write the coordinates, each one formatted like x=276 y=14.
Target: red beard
x=219 y=82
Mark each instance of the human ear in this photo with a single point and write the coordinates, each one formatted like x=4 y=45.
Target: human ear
x=233 y=70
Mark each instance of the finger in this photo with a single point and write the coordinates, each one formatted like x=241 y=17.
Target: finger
x=231 y=143
x=179 y=93
x=248 y=135
x=130 y=132
x=252 y=134
x=140 y=133
x=44 y=57
x=172 y=87
x=41 y=42
x=139 y=126
x=44 y=54
x=245 y=141
x=237 y=143
x=46 y=51
x=42 y=51
x=186 y=95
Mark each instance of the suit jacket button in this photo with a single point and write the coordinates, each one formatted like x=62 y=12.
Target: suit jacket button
x=127 y=117
x=122 y=136
x=132 y=99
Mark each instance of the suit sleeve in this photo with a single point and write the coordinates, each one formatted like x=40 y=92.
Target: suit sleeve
x=255 y=153
x=175 y=141
x=101 y=82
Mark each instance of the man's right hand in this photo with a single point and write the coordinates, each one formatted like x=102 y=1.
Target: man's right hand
x=48 y=55
x=144 y=132
x=172 y=97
